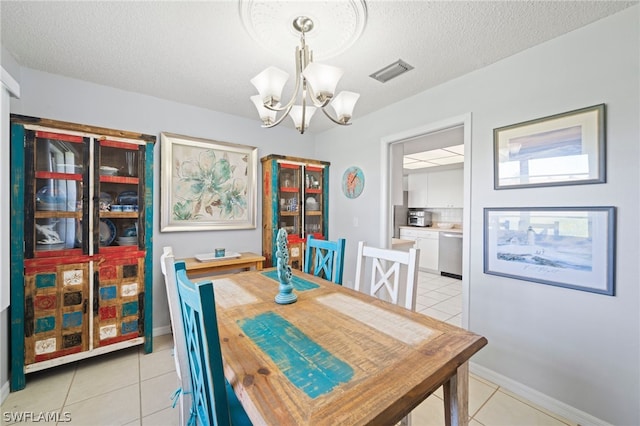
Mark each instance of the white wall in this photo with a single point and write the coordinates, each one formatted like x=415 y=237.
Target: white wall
x=51 y=96
x=9 y=87
x=577 y=348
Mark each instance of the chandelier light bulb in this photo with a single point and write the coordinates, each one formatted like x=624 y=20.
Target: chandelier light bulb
x=267 y=116
x=323 y=80
x=343 y=104
x=296 y=116
x=270 y=83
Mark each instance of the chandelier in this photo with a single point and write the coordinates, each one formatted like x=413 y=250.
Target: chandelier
x=319 y=81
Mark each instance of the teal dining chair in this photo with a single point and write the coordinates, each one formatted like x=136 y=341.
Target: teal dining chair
x=326 y=258
x=214 y=401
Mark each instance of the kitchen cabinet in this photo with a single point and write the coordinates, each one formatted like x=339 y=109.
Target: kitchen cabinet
x=81 y=252
x=445 y=189
x=436 y=189
x=417 y=187
x=295 y=197
x=427 y=241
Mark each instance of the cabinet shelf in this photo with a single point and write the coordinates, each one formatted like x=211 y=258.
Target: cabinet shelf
x=57 y=214
x=289 y=189
x=120 y=215
x=119 y=179
x=57 y=175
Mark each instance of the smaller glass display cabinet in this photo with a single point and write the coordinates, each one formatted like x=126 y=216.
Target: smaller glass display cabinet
x=295 y=198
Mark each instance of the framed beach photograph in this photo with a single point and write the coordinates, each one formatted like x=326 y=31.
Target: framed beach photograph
x=572 y=247
x=562 y=149
x=206 y=184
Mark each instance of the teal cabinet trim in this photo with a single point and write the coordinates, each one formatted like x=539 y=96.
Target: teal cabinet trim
x=147 y=305
x=17 y=258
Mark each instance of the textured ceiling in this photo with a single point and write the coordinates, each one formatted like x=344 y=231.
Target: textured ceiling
x=200 y=53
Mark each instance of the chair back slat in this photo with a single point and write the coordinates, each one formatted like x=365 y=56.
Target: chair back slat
x=325 y=259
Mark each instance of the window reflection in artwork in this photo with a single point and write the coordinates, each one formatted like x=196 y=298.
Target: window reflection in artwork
x=559 y=150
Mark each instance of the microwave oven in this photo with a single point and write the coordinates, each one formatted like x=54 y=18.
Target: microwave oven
x=419 y=218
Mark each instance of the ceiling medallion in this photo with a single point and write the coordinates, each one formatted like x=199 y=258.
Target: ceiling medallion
x=338 y=24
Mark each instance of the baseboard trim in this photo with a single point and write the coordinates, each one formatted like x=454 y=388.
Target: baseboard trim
x=161 y=331
x=538 y=398
x=4 y=391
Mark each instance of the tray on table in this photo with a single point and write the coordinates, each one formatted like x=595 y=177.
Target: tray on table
x=207 y=257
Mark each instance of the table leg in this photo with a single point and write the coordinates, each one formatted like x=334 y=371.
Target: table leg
x=456 y=398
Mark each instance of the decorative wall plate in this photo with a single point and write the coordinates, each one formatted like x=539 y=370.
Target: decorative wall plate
x=353 y=182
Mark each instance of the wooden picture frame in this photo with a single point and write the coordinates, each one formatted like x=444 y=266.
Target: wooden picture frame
x=207 y=185
x=562 y=149
x=572 y=247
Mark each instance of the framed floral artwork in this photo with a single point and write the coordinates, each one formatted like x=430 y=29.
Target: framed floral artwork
x=206 y=184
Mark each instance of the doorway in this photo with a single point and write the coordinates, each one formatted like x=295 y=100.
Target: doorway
x=392 y=169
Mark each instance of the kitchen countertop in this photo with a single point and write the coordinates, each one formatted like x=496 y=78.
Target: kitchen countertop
x=431 y=228
x=400 y=244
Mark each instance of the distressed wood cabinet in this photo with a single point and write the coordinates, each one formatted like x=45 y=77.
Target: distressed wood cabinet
x=81 y=243
x=295 y=196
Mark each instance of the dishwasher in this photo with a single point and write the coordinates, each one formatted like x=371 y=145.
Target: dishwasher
x=450 y=254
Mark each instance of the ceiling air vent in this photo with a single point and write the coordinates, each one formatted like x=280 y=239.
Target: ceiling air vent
x=391 y=71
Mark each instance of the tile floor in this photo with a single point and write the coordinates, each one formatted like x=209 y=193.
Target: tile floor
x=132 y=388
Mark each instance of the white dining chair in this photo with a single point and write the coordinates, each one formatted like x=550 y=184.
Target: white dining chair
x=179 y=347
x=394 y=273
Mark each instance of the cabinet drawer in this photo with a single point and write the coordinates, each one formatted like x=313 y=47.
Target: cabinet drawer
x=429 y=235
x=408 y=233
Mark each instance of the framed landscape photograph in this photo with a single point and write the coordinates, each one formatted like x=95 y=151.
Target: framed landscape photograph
x=563 y=149
x=571 y=247
x=207 y=185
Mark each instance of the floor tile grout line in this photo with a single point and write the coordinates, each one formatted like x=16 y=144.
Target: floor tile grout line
x=139 y=389
x=483 y=404
x=66 y=397
x=530 y=404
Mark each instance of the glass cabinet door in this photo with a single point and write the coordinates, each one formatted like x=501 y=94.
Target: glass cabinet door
x=313 y=201
x=56 y=271
x=55 y=192
x=119 y=180
x=119 y=241
x=290 y=179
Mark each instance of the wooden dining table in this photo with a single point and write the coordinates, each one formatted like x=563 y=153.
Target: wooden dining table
x=336 y=356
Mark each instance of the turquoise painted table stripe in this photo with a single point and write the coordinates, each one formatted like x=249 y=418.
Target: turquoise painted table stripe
x=297 y=282
x=306 y=364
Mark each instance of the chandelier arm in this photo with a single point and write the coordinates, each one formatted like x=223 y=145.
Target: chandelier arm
x=333 y=119
x=279 y=120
